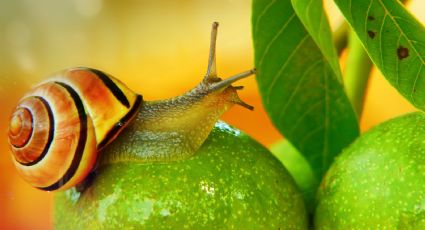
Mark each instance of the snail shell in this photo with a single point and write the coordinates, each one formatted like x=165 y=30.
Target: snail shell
x=59 y=127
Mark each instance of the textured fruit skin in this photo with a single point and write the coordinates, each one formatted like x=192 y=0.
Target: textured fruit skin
x=379 y=181
x=231 y=182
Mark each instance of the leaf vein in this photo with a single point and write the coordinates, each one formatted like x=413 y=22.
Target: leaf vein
x=397 y=70
x=275 y=77
x=267 y=49
x=297 y=87
x=308 y=11
x=307 y=136
x=367 y=15
x=380 y=43
x=387 y=12
x=350 y=10
x=300 y=118
x=260 y=16
x=412 y=92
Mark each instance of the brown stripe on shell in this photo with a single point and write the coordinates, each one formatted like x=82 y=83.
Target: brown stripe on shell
x=100 y=99
x=81 y=141
x=121 y=124
x=116 y=91
x=38 y=144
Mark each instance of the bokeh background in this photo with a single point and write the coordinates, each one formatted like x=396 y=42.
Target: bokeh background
x=158 y=48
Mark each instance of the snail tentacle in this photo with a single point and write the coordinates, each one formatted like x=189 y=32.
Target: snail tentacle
x=174 y=129
x=212 y=68
x=64 y=128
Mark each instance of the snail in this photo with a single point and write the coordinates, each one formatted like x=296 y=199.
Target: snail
x=60 y=127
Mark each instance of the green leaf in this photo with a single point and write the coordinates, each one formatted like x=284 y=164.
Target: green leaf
x=299 y=79
x=313 y=17
x=394 y=40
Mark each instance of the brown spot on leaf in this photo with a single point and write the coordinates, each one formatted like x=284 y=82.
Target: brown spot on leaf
x=370 y=18
x=371 y=34
x=402 y=52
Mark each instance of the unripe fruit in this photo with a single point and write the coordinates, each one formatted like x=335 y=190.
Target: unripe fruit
x=231 y=182
x=379 y=181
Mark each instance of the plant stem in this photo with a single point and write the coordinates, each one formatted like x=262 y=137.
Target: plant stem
x=340 y=37
x=358 y=64
x=356 y=74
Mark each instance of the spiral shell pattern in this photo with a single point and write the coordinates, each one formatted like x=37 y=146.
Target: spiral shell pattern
x=60 y=126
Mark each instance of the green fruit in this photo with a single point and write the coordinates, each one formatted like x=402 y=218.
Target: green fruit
x=379 y=181
x=231 y=182
x=299 y=169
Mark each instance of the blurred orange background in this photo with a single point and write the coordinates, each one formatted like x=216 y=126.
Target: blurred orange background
x=158 y=48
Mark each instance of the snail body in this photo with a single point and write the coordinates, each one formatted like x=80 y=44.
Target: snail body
x=61 y=126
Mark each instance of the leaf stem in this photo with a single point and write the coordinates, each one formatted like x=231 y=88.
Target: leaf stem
x=357 y=71
x=340 y=37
